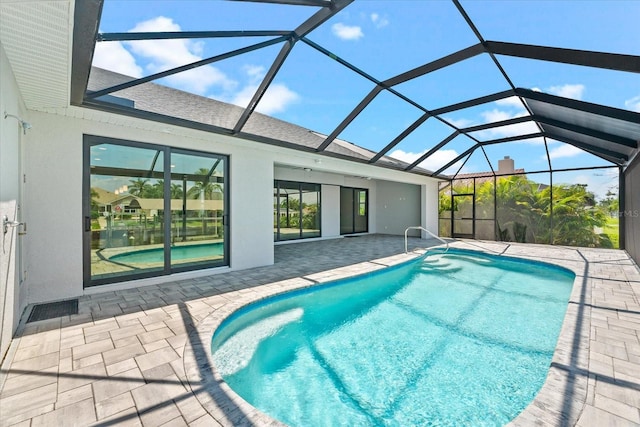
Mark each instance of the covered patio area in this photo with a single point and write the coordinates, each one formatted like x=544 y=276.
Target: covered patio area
x=139 y=356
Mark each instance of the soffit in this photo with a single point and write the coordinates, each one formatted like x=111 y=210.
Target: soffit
x=36 y=36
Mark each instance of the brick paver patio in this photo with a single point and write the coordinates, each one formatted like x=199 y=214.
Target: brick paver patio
x=141 y=356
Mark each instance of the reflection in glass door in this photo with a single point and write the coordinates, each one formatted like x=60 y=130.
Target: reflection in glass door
x=197 y=209
x=149 y=211
x=296 y=210
x=463 y=216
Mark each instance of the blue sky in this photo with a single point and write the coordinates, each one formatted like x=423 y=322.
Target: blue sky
x=385 y=38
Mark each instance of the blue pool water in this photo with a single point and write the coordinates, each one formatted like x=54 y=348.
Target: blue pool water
x=178 y=253
x=454 y=339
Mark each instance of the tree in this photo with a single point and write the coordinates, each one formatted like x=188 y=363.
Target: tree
x=138 y=187
x=204 y=188
x=525 y=212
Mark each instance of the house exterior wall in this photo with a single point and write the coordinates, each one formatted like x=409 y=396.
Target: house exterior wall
x=631 y=211
x=12 y=294
x=398 y=207
x=54 y=197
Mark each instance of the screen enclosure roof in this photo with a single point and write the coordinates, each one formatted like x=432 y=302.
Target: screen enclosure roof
x=425 y=87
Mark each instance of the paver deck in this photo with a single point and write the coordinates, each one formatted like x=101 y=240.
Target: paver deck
x=140 y=356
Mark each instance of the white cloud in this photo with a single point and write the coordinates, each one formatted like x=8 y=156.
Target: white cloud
x=275 y=100
x=460 y=123
x=512 y=101
x=379 y=21
x=496 y=115
x=347 y=32
x=433 y=162
x=565 y=150
x=633 y=104
x=166 y=54
x=254 y=71
x=113 y=56
x=568 y=91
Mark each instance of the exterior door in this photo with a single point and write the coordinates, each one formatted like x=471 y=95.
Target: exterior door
x=463 y=221
x=354 y=210
x=152 y=210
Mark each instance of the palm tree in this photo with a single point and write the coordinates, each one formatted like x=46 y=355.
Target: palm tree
x=138 y=187
x=204 y=188
x=176 y=191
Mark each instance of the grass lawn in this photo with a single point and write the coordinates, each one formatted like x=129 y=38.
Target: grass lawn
x=611 y=229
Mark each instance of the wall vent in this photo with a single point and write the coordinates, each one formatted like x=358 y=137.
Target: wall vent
x=53 y=309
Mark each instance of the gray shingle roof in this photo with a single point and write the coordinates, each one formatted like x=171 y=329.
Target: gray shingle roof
x=159 y=99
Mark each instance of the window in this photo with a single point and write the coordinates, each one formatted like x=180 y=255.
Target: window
x=296 y=210
x=151 y=210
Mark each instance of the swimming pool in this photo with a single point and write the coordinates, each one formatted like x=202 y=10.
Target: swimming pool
x=178 y=253
x=456 y=338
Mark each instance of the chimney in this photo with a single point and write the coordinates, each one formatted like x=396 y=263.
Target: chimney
x=506 y=166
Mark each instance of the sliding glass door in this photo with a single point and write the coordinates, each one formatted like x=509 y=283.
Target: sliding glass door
x=354 y=210
x=296 y=210
x=197 y=209
x=151 y=210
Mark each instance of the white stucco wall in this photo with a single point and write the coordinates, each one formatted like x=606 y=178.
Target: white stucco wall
x=398 y=206
x=330 y=210
x=53 y=204
x=429 y=207
x=12 y=295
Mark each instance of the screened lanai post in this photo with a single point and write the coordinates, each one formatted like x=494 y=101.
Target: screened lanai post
x=454 y=161
x=492 y=55
x=172 y=71
x=496 y=228
x=321 y=3
x=303 y=29
x=264 y=85
x=460 y=168
x=443 y=62
x=169 y=35
x=473 y=102
x=512 y=138
x=594 y=133
x=351 y=117
x=574 y=104
x=609 y=155
x=487 y=159
x=433 y=150
x=546 y=149
x=609 y=61
x=622 y=208
x=400 y=137
x=507 y=122
x=86 y=18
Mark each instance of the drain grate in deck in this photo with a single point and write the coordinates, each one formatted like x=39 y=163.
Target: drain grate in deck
x=53 y=309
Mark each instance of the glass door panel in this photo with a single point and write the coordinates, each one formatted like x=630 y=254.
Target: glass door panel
x=150 y=210
x=354 y=210
x=346 y=210
x=125 y=211
x=310 y=210
x=197 y=210
x=361 y=219
x=289 y=211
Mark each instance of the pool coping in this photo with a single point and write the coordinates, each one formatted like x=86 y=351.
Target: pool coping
x=559 y=402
